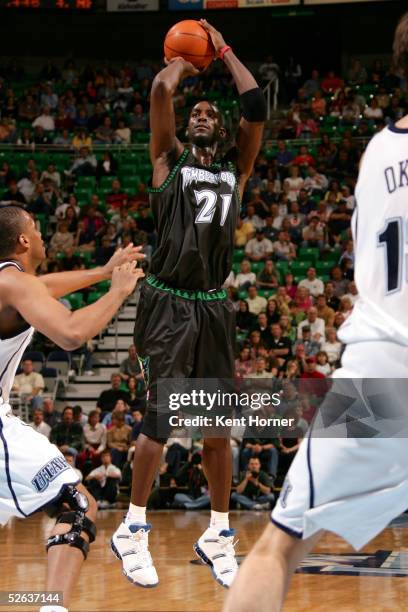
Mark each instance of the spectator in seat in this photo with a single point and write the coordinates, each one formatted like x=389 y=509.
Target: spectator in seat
x=313 y=233
x=245 y=277
x=243 y=363
x=39 y=424
x=131 y=365
x=122 y=134
x=315 y=182
x=95 y=442
x=317 y=325
x=314 y=285
x=310 y=346
x=28 y=110
x=13 y=195
x=118 y=439
x=283 y=157
x=82 y=139
x=104 y=133
x=331 y=298
x=290 y=440
x=50 y=416
x=85 y=164
x=332 y=346
x=280 y=345
x=268 y=276
x=103 y=481
x=62 y=241
x=283 y=248
x=294 y=182
x=264 y=449
x=254 y=492
x=45 y=120
x=256 y=303
x=69 y=457
x=244 y=319
x=107 y=166
x=108 y=398
x=304 y=159
x=259 y=248
x=67 y=434
x=253 y=219
x=318 y=104
x=191 y=474
x=29 y=384
x=332 y=82
x=322 y=363
x=352 y=292
x=339 y=283
x=121 y=407
x=324 y=311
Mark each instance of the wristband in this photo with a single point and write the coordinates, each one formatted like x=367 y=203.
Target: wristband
x=223 y=51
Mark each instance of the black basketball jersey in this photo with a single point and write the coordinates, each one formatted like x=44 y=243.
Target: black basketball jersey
x=195 y=213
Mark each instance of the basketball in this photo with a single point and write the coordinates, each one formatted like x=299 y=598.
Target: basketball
x=189 y=40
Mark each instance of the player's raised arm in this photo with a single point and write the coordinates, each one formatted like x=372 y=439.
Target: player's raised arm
x=162 y=119
x=69 y=330
x=252 y=101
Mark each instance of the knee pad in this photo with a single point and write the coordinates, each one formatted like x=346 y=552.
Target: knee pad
x=75 y=517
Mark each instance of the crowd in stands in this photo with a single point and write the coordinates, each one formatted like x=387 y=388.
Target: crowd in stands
x=292 y=279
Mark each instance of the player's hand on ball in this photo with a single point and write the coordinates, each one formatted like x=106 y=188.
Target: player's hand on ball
x=125 y=277
x=122 y=256
x=217 y=38
x=188 y=68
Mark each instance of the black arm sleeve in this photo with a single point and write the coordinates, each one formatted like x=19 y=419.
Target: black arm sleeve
x=253 y=105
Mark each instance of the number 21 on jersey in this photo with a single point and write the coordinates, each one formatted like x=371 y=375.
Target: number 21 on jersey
x=208 y=200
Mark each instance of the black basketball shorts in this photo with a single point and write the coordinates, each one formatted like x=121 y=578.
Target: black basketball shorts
x=181 y=334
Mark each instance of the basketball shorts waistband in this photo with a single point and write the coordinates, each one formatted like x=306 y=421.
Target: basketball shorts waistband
x=188 y=294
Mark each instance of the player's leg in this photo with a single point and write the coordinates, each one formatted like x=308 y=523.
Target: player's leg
x=215 y=359
x=65 y=560
x=263 y=579
x=164 y=337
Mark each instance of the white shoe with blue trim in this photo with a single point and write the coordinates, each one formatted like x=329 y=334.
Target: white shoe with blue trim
x=217 y=550
x=130 y=544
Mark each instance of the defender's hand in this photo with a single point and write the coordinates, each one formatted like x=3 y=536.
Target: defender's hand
x=217 y=38
x=186 y=67
x=122 y=256
x=125 y=277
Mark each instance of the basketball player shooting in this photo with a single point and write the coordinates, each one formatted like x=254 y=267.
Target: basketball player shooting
x=33 y=472
x=351 y=486
x=185 y=325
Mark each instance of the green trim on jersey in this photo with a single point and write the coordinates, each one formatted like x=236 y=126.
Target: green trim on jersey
x=171 y=175
x=187 y=294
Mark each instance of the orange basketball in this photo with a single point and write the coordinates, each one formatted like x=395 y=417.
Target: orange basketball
x=189 y=40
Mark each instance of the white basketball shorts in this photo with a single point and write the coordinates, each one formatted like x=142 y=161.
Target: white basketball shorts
x=351 y=486
x=32 y=470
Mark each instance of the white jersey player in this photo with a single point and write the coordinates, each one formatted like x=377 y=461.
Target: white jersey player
x=34 y=474
x=352 y=486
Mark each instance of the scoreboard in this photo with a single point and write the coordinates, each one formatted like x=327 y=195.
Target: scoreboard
x=58 y=5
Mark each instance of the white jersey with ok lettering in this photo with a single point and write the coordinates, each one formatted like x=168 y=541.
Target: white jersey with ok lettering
x=12 y=349
x=380 y=232
x=32 y=470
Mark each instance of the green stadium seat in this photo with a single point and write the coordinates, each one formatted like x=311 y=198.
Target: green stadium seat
x=238 y=255
x=266 y=293
x=300 y=267
x=131 y=182
x=104 y=286
x=76 y=300
x=308 y=254
x=242 y=295
x=106 y=182
x=83 y=193
x=282 y=267
x=257 y=266
x=236 y=268
x=86 y=182
x=324 y=267
x=94 y=296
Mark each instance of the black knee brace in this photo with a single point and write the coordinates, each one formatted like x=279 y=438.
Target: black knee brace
x=76 y=517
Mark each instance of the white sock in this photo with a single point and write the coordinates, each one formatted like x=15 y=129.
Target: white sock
x=53 y=609
x=136 y=514
x=219 y=520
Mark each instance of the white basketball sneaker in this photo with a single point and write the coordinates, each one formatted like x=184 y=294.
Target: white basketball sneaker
x=130 y=544
x=216 y=549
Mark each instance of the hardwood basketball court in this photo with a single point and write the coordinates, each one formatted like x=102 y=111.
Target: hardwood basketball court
x=379 y=580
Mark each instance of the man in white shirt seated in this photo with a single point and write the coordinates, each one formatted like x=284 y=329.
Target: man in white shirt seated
x=45 y=120
x=245 y=277
x=256 y=303
x=317 y=325
x=29 y=384
x=315 y=182
x=103 y=481
x=252 y=218
x=332 y=346
x=39 y=424
x=259 y=248
x=352 y=292
x=311 y=282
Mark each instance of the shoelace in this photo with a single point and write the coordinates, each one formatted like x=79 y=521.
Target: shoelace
x=140 y=550
x=229 y=562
